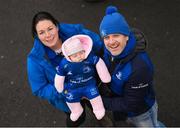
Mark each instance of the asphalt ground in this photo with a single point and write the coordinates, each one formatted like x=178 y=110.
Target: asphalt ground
x=159 y=20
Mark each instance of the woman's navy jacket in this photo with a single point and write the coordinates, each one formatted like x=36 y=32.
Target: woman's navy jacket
x=42 y=63
x=132 y=78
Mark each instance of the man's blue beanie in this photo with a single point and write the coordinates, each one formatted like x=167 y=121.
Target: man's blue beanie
x=113 y=23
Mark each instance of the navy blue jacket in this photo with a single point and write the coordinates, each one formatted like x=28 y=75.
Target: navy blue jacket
x=132 y=78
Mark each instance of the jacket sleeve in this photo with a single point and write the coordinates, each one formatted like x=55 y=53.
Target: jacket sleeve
x=38 y=82
x=135 y=91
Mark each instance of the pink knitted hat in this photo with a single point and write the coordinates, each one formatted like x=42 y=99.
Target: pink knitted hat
x=76 y=44
x=73 y=46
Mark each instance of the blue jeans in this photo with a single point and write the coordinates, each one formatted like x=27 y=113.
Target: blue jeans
x=147 y=119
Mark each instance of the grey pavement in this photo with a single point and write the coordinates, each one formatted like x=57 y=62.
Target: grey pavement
x=158 y=19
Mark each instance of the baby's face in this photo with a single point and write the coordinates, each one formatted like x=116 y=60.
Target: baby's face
x=77 y=57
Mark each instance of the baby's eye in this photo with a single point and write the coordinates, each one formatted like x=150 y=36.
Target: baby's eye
x=81 y=52
x=74 y=55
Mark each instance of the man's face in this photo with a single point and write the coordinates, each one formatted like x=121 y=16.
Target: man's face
x=115 y=43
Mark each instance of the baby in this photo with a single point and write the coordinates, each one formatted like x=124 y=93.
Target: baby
x=76 y=73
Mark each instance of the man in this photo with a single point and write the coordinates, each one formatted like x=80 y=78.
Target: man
x=131 y=69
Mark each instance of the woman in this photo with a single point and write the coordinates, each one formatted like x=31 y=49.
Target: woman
x=45 y=56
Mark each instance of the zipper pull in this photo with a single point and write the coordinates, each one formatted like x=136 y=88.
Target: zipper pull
x=112 y=59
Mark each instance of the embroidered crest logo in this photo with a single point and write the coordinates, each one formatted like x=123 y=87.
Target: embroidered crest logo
x=69 y=96
x=93 y=91
x=69 y=73
x=57 y=67
x=86 y=69
x=119 y=75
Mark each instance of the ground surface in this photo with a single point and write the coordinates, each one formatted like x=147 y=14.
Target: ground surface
x=159 y=20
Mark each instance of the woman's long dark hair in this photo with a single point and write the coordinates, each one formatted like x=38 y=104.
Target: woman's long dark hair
x=39 y=17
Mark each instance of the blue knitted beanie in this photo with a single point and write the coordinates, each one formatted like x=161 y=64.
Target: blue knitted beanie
x=113 y=23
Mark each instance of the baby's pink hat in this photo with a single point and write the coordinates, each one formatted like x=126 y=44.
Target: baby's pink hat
x=73 y=46
x=76 y=44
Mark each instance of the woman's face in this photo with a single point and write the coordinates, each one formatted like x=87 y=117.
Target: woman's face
x=47 y=33
x=115 y=43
